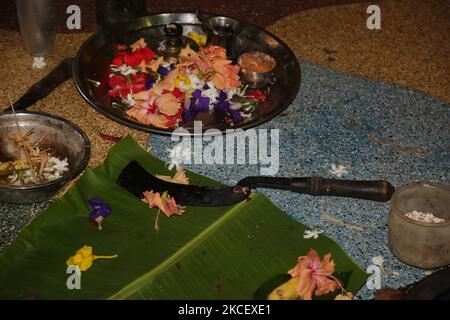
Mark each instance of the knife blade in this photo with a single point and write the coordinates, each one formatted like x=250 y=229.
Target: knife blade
x=137 y=180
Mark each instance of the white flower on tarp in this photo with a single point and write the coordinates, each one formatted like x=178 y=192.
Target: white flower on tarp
x=338 y=170
x=314 y=233
x=177 y=155
x=378 y=261
x=39 y=63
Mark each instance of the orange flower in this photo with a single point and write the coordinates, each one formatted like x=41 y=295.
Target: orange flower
x=142 y=114
x=179 y=177
x=167 y=104
x=211 y=63
x=138 y=45
x=167 y=205
x=168 y=83
x=186 y=54
x=164 y=202
x=314 y=275
x=159 y=110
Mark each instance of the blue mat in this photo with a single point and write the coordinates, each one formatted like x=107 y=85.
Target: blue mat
x=376 y=130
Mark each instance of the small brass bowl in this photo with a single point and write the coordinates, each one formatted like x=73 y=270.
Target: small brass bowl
x=257 y=69
x=61 y=135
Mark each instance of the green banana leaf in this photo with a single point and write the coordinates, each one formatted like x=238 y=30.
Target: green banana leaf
x=207 y=253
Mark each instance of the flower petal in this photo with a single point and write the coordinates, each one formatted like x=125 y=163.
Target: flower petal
x=168 y=104
x=169 y=206
x=179 y=177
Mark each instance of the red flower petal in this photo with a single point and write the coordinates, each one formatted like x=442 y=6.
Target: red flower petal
x=257 y=94
x=178 y=94
x=147 y=53
x=138 y=77
x=117 y=81
x=117 y=61
x=133 y=59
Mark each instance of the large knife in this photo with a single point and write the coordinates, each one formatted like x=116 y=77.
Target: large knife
x=45 y=86
x=137 y=180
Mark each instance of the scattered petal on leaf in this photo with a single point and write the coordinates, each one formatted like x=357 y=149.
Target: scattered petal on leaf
x=168 y=205
x=100 y=210
x=83 y=258
x=179 y=177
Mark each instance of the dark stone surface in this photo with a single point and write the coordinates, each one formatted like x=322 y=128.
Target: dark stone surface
x=261 y=13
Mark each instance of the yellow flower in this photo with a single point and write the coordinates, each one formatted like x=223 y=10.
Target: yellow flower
x=83 y=258
x=200 y=39
x=182 y=80
x=20 y=164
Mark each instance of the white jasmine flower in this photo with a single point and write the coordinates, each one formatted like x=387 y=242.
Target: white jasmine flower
x=312 y=234
x=378 y=261
x=129 y=100
x=39 y=63
x=196 y=83
x=55 y=168
x=60 y=165
x=124 y=70
x=338 y=170
x=213 y=94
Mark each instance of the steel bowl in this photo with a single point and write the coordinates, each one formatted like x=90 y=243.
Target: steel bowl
x=257 y=79
x=62 y=135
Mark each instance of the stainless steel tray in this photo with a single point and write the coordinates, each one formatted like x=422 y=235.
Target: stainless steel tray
x=93 y=59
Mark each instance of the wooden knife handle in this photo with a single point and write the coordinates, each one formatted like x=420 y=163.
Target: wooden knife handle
x=43 y=87
x=378 y=190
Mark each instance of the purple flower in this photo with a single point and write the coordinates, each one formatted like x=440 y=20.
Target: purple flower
x=149 y=84
x=223 y=109
x=100 y=210
x=189 y=115
x=197 y=104
x=163 y=71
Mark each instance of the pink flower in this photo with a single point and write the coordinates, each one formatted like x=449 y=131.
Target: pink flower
x=159 y=110
x=314 y=275
x=165 y=203
x=211 y=64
